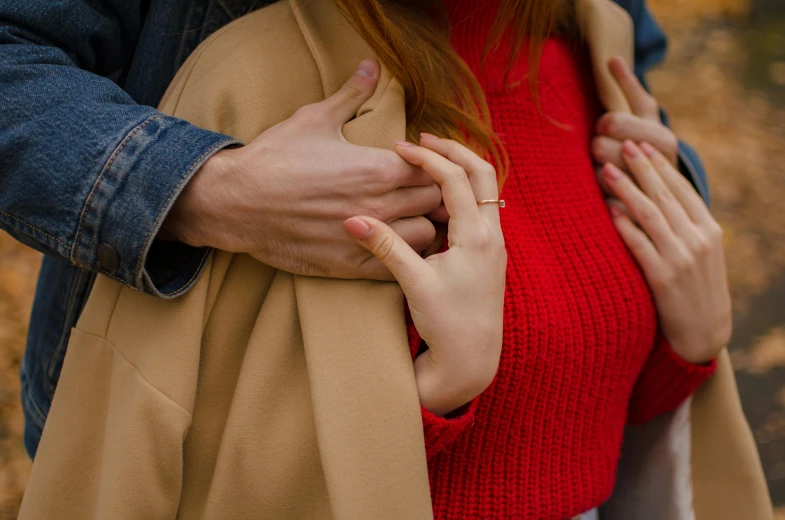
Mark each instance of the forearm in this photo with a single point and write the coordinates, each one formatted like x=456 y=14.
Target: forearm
x=86 y=174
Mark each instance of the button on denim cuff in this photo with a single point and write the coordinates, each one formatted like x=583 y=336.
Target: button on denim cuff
x=156 y=158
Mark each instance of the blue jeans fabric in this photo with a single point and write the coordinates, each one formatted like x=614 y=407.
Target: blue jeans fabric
x=86 y=161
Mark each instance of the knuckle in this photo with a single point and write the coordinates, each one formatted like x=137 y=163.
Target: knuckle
x=682 y=186
x=383 y=247
x=647 y=213
x=491 y=243
x=602 y=121
x=598 y=149
x=701 y=245
x=307 y=110
x=684 y=263
x=614 y=124
x=423 y=234
x=434 y=195
x=387 y=178
x=310 y=113
x=373 y=207
x=352 y=91
x=650 y=104
x=386 y=171
x=715 y=232
x=662 y=196
x=664 y=278
x=672 y=276
x=485 y=239
x=488 y=169
x=431 y=197
x=658 y=281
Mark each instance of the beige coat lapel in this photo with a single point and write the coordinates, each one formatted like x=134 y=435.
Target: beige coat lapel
x=371 y=372
x=728 y=480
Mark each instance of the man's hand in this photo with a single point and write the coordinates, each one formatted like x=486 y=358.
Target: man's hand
x=644 y=124
x=284 y=197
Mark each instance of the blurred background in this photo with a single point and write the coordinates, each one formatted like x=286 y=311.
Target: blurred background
x=724 y=88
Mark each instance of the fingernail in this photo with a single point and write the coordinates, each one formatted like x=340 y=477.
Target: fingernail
x=648 y=149
x=399 y=142
x=366 y=69
x=425 y=135
x=615 y=212
x=630 y=149
x=610 y=172
x=357 y=228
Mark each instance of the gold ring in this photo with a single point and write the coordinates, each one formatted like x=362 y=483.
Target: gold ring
x=500 y=202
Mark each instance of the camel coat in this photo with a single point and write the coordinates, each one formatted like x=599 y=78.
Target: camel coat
x=262 y=394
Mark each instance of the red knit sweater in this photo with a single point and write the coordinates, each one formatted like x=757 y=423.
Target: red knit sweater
x=581 y=355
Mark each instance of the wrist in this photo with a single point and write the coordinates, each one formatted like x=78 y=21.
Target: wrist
x=700 y=356
x=442 y=391
x=195 y=215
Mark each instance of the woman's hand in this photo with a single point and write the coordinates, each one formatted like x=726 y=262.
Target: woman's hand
x=456 y=298
x=678 y=245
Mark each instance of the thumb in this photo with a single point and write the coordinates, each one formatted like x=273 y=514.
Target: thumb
x=344 y=104
x=388 y=246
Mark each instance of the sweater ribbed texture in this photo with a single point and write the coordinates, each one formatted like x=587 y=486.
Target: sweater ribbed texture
x=582 y=355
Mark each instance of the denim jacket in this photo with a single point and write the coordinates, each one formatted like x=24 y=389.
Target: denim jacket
x=89 y=170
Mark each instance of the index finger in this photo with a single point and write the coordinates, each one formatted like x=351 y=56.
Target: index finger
x=482 y=175
x=459 y=198
x=642 y=103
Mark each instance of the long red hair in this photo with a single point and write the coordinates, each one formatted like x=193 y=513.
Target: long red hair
x=411 y=39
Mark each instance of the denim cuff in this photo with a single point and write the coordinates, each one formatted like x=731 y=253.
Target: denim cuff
x=130 y=199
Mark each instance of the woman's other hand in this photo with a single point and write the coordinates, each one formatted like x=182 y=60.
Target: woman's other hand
x=456 y=298
x=643 y=124
x=678 y=245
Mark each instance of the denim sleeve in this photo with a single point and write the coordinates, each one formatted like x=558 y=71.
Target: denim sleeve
x=651 y=45
x=86 y=174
